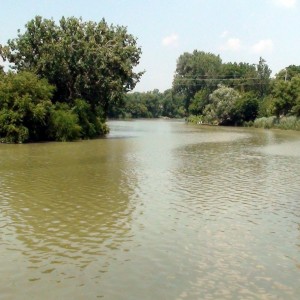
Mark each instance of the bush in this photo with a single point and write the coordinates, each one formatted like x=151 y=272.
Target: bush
x=222 y=107
x=266 y=107
x=24 y=107
x=265 y=122
x=86 y=118
x=195 y=119
x=64 y=124
x=246 y=109
x=27 y=113
x=289 y=123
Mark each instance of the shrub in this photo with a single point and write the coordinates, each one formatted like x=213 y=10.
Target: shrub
x=289 y=123
x=64 y=124
x=265 y=122
x=222 y=106
x=195 y=119
x=24 y=107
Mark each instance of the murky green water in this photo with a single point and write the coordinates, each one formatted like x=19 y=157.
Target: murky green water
x=158 y=210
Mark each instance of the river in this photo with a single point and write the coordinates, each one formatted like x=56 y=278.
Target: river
x=156 y=210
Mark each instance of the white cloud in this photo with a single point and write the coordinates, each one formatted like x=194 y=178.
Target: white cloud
x=263 y=46
x=170 y=40
x=232 y=44
x=224 y=34
x=286 y=3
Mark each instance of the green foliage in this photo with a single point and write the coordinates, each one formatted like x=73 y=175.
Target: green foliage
x=221 y=109
x=266 y=107
x=75 y=122
x=265 y=122
x=195 y=71
x=296 y=108
x=242 y=76
x=27 y=113
x=136 y=105
x=85 y=117
x=288 y=73
x=289 y=123
x=24 y=107
x=199 y=101
x=92 y=122
x=87 y=60
x=91 y=66
x=246 y=108
x=196 y=119
x=198 y=74
x=286 y=123
x=151 y=104
x=263 y=77
x=286 y=96
x=64 y=124
x=172 y=104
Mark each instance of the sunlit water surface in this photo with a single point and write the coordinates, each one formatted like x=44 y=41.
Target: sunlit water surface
x=157 y=210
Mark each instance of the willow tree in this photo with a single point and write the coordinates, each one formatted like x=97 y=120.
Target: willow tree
x=221 y=109
x=87 y=60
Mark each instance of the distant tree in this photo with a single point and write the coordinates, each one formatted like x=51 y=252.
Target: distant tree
x=286 y=97
x=144 y=104
x=266 y=107
x=168 y=106
x=199 y=101
x=136 y=106
x=263 y=78
x=1 y=66
x=240 y=76
x=196 y=71
x=288 y=73
x=246 y=108
x=172 y=104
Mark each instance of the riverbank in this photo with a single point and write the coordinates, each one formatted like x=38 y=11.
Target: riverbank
x=284 y=123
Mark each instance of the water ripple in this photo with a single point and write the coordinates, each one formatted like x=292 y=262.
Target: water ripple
x=173 y=212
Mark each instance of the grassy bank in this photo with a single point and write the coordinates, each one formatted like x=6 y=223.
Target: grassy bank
x=286 y=123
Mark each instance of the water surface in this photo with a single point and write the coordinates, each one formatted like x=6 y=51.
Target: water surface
x=157 y=210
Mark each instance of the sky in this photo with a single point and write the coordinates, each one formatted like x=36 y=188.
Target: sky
x=237 y=30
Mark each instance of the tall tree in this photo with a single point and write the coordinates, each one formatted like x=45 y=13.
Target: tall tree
x=196 y=71
x=263 y=77
x=240 y=76
x=88 y=60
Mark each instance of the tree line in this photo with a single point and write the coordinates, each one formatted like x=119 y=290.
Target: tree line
x=206 y=90
x=66 y=79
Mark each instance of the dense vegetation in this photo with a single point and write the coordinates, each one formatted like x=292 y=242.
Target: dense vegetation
x=66 y=78
x=69 y=77
x=206 y=90
x=151 y=104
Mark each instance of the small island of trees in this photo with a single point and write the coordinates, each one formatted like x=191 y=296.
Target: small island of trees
x=66 y=79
